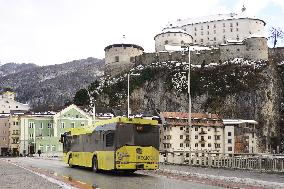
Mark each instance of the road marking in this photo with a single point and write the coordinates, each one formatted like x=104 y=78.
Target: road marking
x=50 y=179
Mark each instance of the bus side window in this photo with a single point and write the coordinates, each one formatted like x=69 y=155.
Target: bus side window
x=109 y=139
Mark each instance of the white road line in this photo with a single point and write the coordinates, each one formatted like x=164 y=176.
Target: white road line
x=50 y=179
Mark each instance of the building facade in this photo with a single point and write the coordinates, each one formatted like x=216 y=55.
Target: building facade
x=4 y=135
x=8 y=103
x=42 y=131
x=214 y=30
x=208 y=135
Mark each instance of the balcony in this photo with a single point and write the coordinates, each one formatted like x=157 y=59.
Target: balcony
x=202 y=132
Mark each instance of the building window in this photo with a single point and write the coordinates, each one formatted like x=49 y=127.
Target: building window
x=49 y=125
x=202 y=145
x=201 y=27
x=207 y=32
x=181 y=145
x=231 y=24
x=181 y=128
x=224 y=30
x=217 y=145
x=41 y=126
x=224 y=25
x=196 y=136
x=62 y=125
x=209 y=137
x=214 y=31
x=201 y=32
x=214 y=38
x=217 y=137
x=230 y=149
x=229 y=133
x=72 y=125
x=207 y=26
x=31 y=125
x=196 y=129
x=181 y=136
x=214 y=26
x=116 y=58
x=187 y=144
x=195 y=29
x=229 y=141
x=166 y=42
x=237 y=29
x=237 y=24
x=187 y=154
x=182 y=42
x=201 y=40
x=196 y=145
x=194 y=34
x=82 y=124
x=209 y=144
x=231 y=29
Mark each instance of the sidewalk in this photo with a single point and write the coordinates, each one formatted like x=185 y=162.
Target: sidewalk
x=15 y=177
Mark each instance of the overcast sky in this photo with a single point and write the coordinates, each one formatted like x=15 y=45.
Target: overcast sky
x=57 y=31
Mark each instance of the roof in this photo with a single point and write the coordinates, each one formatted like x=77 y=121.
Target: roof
x=238 y=121
x=109 y=123
x=210 y=18
x=173 y=30
x=183 y=115
x=123 y=45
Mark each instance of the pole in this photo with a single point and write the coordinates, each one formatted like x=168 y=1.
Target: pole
x=128 y=75
x=189 y=103
x=94 y=112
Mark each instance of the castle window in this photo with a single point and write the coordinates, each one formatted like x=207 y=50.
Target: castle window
x=182 y=42
x=224 y=36
x=201 y=32
x=237 y=24
x=237 y=29
x=231 y=24
x=207 y=26
x=207 y=32
x=214 y=38
x=214 y=31
x=194 y=34
x=116 y=58
x=214 y=25
x=238 y=49
x=224 y=24
x=195 y=41
x=201 y=40
x=166 y=42
x=195 y=29
x=201 y=27
x=224 y=30
x=231 y=29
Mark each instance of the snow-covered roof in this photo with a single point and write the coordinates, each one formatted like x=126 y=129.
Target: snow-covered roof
x=210 y=18
x=173 y=30
x=260 y=34
x=238 y=121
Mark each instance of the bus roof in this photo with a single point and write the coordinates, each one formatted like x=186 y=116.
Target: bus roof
x=113 y=121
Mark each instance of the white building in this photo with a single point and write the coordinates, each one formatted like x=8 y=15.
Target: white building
x=8 y=103
x=209 y=134
x=217 y=29
x=171 y=36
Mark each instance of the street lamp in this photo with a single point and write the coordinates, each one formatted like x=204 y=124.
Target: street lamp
x=128 y=78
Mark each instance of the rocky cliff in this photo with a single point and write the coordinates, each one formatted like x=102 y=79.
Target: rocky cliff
x=238 y=89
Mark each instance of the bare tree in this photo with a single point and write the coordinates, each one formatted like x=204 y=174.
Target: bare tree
x=275 y=34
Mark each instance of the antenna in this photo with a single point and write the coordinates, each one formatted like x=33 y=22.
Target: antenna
x=244 y=8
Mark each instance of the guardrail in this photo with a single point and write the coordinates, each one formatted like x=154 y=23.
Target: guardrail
x=259 y=162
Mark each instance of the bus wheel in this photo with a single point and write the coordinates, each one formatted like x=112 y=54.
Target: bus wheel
x=95 y=164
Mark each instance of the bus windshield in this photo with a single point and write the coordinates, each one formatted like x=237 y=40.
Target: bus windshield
x=137 y=135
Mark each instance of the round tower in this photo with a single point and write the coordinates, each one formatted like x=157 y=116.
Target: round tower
x=256 y=47
x=171 y=36
x=120 y=57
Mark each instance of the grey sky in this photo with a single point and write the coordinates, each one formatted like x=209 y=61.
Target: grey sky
x=56 y=31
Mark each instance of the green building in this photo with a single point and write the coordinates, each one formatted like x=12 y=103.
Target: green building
x=42 y=131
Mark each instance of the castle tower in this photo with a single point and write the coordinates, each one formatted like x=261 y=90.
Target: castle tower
x=171 y=36
x=120 y=57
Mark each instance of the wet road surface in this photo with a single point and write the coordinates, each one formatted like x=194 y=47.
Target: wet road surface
x=110 y=180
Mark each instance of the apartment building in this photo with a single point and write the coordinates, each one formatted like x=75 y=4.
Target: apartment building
x=8 y=103
x=4 y=134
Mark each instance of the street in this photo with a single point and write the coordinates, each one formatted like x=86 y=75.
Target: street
x=108 y=180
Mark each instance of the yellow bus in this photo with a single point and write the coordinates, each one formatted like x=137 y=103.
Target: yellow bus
x=126 y=144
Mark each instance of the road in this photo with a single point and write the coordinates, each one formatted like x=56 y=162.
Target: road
x=109 y=180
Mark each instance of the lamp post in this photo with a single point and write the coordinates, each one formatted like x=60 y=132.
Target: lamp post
x=128 y=106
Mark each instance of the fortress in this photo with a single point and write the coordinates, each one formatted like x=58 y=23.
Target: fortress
x=216 y=38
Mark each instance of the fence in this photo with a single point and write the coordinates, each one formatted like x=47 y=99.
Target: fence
x=260 y=162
